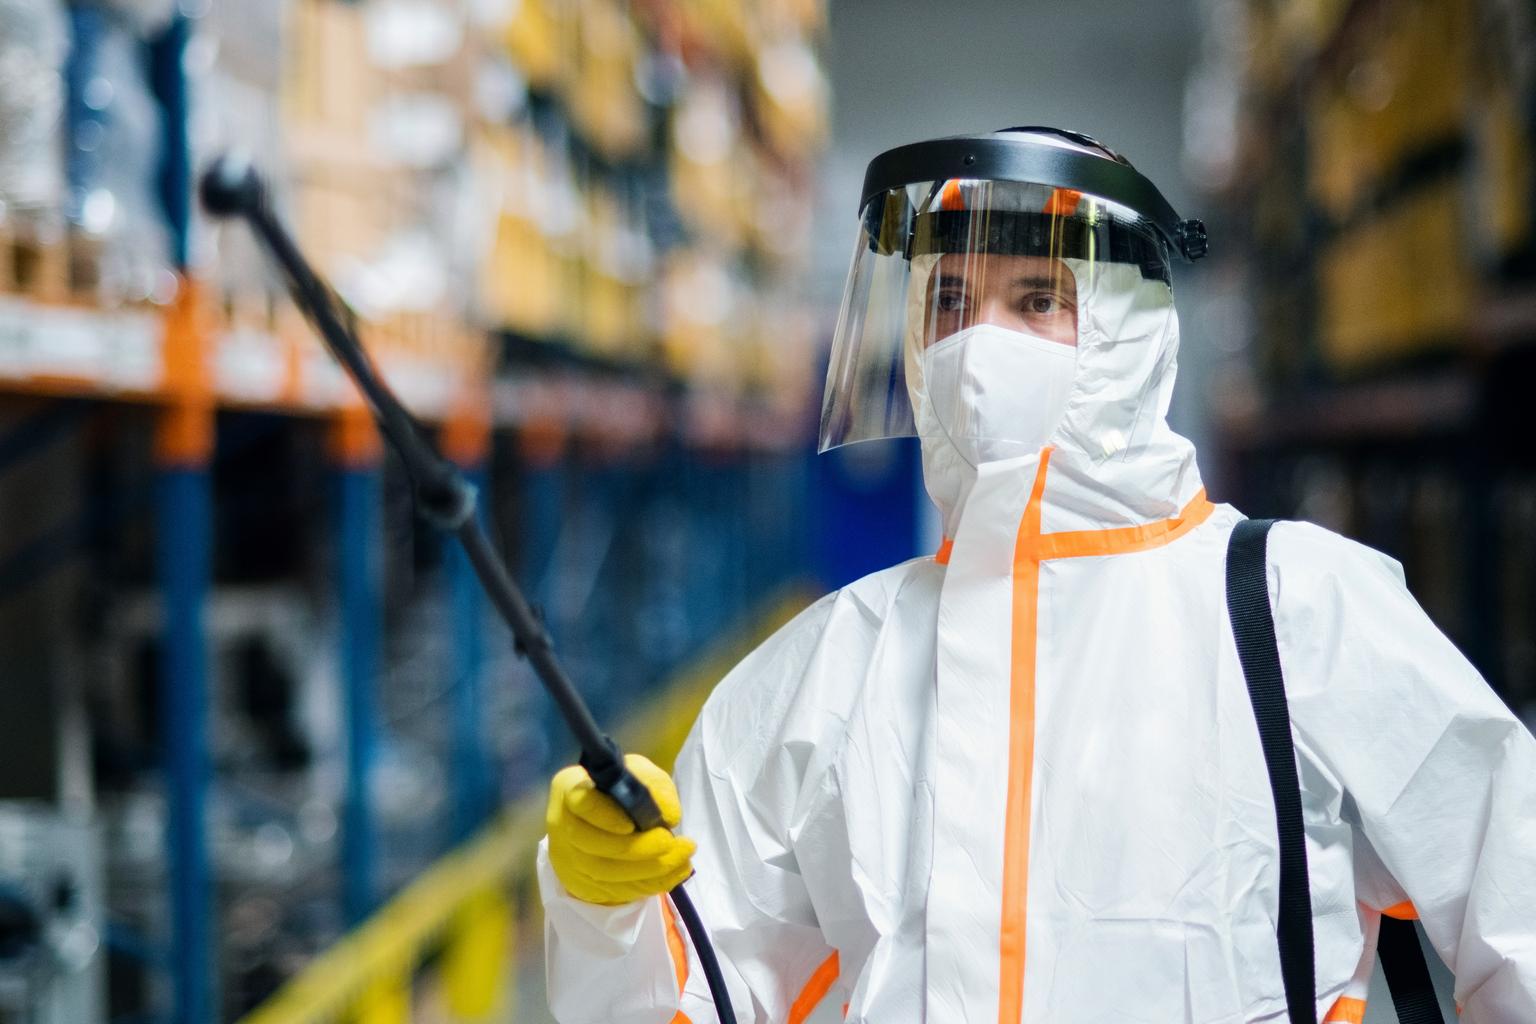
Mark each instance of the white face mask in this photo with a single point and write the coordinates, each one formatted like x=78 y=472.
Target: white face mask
x=994 y=393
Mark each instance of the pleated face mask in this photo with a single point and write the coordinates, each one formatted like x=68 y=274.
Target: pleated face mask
x=994 y=393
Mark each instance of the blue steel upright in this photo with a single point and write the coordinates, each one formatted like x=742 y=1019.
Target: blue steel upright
x=866 y=507
x=473 y=798
x=360 y=578
x=168 y=82
x=183 y=552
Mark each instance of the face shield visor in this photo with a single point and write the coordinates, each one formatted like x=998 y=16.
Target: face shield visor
x=937 y=259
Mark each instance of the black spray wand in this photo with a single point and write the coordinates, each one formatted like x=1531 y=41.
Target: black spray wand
x=231 y=187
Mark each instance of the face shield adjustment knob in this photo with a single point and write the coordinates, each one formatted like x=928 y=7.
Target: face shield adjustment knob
x=1192 y=240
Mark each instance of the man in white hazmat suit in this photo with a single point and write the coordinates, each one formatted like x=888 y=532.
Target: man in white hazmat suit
x=1020 y=780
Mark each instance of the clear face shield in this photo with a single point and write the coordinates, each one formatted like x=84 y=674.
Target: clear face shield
x=1005 y=264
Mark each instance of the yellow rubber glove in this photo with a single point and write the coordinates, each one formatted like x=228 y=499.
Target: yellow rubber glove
x=594 y=848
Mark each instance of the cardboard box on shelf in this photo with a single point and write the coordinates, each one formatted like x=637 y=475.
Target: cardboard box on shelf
x=38 y=265
x=540 y=37
x=1399 y=90
x=330 y=82
x=604 y=102
x=1397 y=285
x=1501 y=180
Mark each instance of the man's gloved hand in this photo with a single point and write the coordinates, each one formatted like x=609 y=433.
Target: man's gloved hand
x=593 y=846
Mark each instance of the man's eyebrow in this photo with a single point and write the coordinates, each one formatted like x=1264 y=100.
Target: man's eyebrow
x=1026 y=281
x=1039 y=281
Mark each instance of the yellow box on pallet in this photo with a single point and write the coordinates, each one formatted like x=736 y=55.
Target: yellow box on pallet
x=1398 y=285
x=604 y=102
x=539 y=38
x=1304 y=27
x=1401 y=87
x=1502 y=175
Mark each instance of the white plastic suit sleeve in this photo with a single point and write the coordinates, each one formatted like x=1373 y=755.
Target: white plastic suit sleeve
x=739 y=789
x=1423 y=759
x=604 y=963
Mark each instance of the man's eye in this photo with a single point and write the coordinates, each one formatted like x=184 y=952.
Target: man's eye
x=1043 y=304
x=951 y=302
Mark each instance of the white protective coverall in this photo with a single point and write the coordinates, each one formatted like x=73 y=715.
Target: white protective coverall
x=1021 y=780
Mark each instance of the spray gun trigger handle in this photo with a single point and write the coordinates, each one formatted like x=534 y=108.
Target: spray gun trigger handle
x=612 y=778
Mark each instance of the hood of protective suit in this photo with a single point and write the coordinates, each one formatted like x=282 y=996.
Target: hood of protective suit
x=1113 y=437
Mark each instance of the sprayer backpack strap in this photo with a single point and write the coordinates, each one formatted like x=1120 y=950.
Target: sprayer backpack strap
x=1253 y=626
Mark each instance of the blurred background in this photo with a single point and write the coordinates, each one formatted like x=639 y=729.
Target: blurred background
x=264 y=753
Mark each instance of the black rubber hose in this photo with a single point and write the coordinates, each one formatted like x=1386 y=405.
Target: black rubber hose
x=231 y=187
x=706 y=951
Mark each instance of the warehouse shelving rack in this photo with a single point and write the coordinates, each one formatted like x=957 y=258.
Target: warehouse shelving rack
x=182 y=369
x=1438 y=415
x=172 y=378
x=511 y=410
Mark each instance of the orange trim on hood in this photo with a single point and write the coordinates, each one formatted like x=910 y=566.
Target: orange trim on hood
x=1063 y=202
x=946 y=548
x=1124 y=540
x=950 y=196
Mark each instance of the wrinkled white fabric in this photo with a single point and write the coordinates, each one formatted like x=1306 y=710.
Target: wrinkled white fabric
x=848 y=782
x=994 y=393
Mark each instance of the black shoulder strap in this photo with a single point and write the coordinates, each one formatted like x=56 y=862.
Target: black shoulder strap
x=1253 y=625
x=1402 y=961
